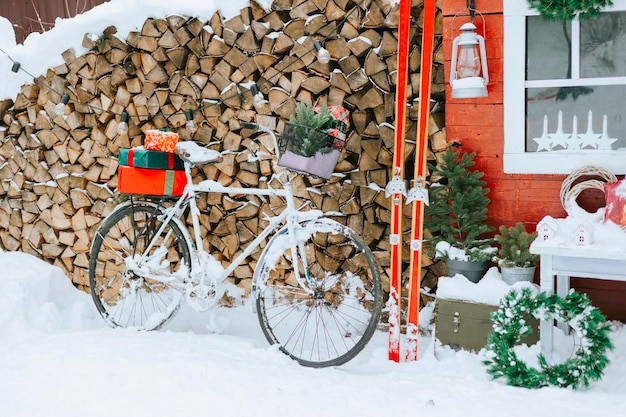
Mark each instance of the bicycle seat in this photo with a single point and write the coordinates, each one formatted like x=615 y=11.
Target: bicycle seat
x=197 y=155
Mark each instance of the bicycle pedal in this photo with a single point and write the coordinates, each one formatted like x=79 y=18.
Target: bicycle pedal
x=201 y=299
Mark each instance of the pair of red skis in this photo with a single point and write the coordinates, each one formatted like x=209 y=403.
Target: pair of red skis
x=396 y=188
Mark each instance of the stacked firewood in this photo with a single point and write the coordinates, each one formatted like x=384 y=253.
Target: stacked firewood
x=58 y=172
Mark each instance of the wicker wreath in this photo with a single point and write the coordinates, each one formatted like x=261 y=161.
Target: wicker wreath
x=571 y=189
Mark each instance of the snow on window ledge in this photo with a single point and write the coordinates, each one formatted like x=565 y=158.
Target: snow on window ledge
x=565 y=162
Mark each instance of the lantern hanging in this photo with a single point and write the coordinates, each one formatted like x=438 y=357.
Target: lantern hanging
x=468 y=68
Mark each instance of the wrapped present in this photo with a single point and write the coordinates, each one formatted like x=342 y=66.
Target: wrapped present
x=342 y=121
x=615 y=197
x=143 y=158
x=161 y=182
x=157 y=140
x=340 y=114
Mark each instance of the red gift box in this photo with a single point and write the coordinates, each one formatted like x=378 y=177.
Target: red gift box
x=132 y=180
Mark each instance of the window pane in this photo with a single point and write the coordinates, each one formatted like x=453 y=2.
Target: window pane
x=603 y=45
x=542 y=133
x=548 y=46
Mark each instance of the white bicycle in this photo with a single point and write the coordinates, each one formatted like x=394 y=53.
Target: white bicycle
x=316 y=286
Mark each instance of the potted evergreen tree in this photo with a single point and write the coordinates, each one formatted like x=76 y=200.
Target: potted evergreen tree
x=514 y=257
x=312 y=140
x=456 y=215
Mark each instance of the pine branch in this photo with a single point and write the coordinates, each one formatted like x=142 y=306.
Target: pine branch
x=569 y=9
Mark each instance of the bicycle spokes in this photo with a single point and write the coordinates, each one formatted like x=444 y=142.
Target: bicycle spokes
x=331 y=319
x=134 y=286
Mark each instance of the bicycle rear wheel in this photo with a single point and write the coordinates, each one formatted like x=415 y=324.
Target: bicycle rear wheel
x=124 y=298
x=332 y=320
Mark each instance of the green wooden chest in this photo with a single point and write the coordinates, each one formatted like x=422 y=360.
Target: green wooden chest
x=465 y=325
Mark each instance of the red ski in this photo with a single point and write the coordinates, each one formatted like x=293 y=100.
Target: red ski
x=419 y=194
x=396 y=188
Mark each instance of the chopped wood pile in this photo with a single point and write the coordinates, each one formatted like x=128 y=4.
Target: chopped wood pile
x=58 y=173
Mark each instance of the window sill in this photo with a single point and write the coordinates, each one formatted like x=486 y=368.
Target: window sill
x=563 y=162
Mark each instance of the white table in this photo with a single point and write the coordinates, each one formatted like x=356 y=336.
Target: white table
x=563 y=263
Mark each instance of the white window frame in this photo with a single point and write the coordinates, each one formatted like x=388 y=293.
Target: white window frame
x=516 y=159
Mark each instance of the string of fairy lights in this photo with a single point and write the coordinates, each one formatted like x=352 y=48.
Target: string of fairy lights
x=323 y=56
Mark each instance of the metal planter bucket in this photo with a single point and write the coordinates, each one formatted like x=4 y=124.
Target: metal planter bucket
x=516 y=274
x=473 y=271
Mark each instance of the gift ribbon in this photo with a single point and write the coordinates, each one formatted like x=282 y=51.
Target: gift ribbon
x=169 y=183
x=131 y=157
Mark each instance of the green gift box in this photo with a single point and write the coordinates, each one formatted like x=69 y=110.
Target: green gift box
x=143 y=158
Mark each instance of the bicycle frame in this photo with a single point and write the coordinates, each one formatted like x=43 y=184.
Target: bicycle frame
x=315 y=289
x=290 y=216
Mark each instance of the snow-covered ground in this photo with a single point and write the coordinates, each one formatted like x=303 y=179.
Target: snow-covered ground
x=59 y=359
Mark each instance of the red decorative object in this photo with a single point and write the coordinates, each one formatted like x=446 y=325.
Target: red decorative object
x=340 y=114
x=615 y=196
x=419 y=194
x=396 y=193
x=159 y=182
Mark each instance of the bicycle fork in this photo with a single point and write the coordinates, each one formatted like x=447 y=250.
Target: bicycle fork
x=298 y=249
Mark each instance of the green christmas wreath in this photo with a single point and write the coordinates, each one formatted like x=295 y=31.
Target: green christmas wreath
x=587 y=362
x=568 y=9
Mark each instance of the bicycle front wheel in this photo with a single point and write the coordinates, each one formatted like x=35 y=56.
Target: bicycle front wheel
x=128 y=299
x=330 y=320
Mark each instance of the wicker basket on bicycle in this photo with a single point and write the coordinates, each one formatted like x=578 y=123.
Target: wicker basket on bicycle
x=312 y=140
x=293 y=154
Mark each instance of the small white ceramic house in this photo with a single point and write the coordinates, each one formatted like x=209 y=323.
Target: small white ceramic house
x=546 y=228
x=583 y=234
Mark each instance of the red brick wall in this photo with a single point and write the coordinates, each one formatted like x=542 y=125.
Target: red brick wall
x=478 y=125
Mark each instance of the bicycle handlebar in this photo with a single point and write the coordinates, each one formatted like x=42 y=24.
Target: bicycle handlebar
x=261 y=128
x=250 y=125
x=256 y=126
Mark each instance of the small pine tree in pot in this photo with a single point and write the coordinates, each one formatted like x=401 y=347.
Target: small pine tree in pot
x=457 y=213
x=310 y=130
x=514 y=257
x=307 y=142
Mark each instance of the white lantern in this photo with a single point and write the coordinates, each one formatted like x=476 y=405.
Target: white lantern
x=468 y=68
